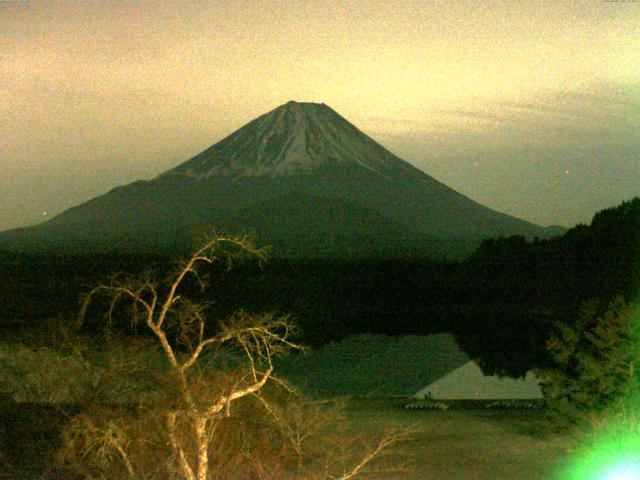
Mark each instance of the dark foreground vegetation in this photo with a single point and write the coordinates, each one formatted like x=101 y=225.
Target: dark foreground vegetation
x=478 y=443
x=500 y=303
x=212 y=409
x=563 y=306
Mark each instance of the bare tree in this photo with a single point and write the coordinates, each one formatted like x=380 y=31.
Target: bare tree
x=258 y=337
x=201 y=401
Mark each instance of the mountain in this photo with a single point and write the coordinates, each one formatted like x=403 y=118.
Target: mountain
x=300 y=178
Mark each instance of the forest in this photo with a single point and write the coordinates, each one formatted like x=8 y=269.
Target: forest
x=499 y=303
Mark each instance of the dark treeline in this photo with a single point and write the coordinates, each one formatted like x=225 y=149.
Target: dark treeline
x=517 y=289
x=34 y=287
x=500 y=303
x=327 y=299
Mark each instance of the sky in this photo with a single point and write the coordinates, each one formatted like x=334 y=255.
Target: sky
x=529 y=107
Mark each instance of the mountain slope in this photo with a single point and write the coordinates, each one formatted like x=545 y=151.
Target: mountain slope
x=292 y=139
x=301 y=178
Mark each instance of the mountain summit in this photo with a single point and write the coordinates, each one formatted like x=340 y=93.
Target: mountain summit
x=295 y=138
x=300 y=178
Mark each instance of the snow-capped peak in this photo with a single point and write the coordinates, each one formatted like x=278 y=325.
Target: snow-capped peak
x=294 y=138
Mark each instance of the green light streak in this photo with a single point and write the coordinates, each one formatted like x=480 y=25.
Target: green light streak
x=614 y=456
x=611 y=450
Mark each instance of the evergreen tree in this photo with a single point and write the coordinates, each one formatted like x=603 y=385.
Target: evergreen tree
x=596 y=361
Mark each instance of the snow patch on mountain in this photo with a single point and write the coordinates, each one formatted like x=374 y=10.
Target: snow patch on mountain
x=294 y=138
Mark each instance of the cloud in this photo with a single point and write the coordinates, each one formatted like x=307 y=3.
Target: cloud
x=492 y=150
x=608 y=114
x=475 y=115
x=390 y=120
x=516 y=110
x=603 y=113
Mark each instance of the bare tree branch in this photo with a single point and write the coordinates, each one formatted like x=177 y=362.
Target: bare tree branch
x=185 y=467
x=201 y=401
x=223 y=400
x=258 y=337
x=381 y=448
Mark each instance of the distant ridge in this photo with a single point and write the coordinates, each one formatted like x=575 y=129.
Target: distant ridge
x=300 y=178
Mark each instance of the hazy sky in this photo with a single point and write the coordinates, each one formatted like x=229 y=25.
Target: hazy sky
x=529 y=107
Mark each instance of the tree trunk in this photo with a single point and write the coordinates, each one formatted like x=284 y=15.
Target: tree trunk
x=203 y=448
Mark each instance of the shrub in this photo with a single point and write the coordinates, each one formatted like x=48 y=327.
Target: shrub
x=596 y=361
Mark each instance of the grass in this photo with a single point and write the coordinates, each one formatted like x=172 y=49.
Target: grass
x=29 y=437
x=464 y=442
x=473 y=444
